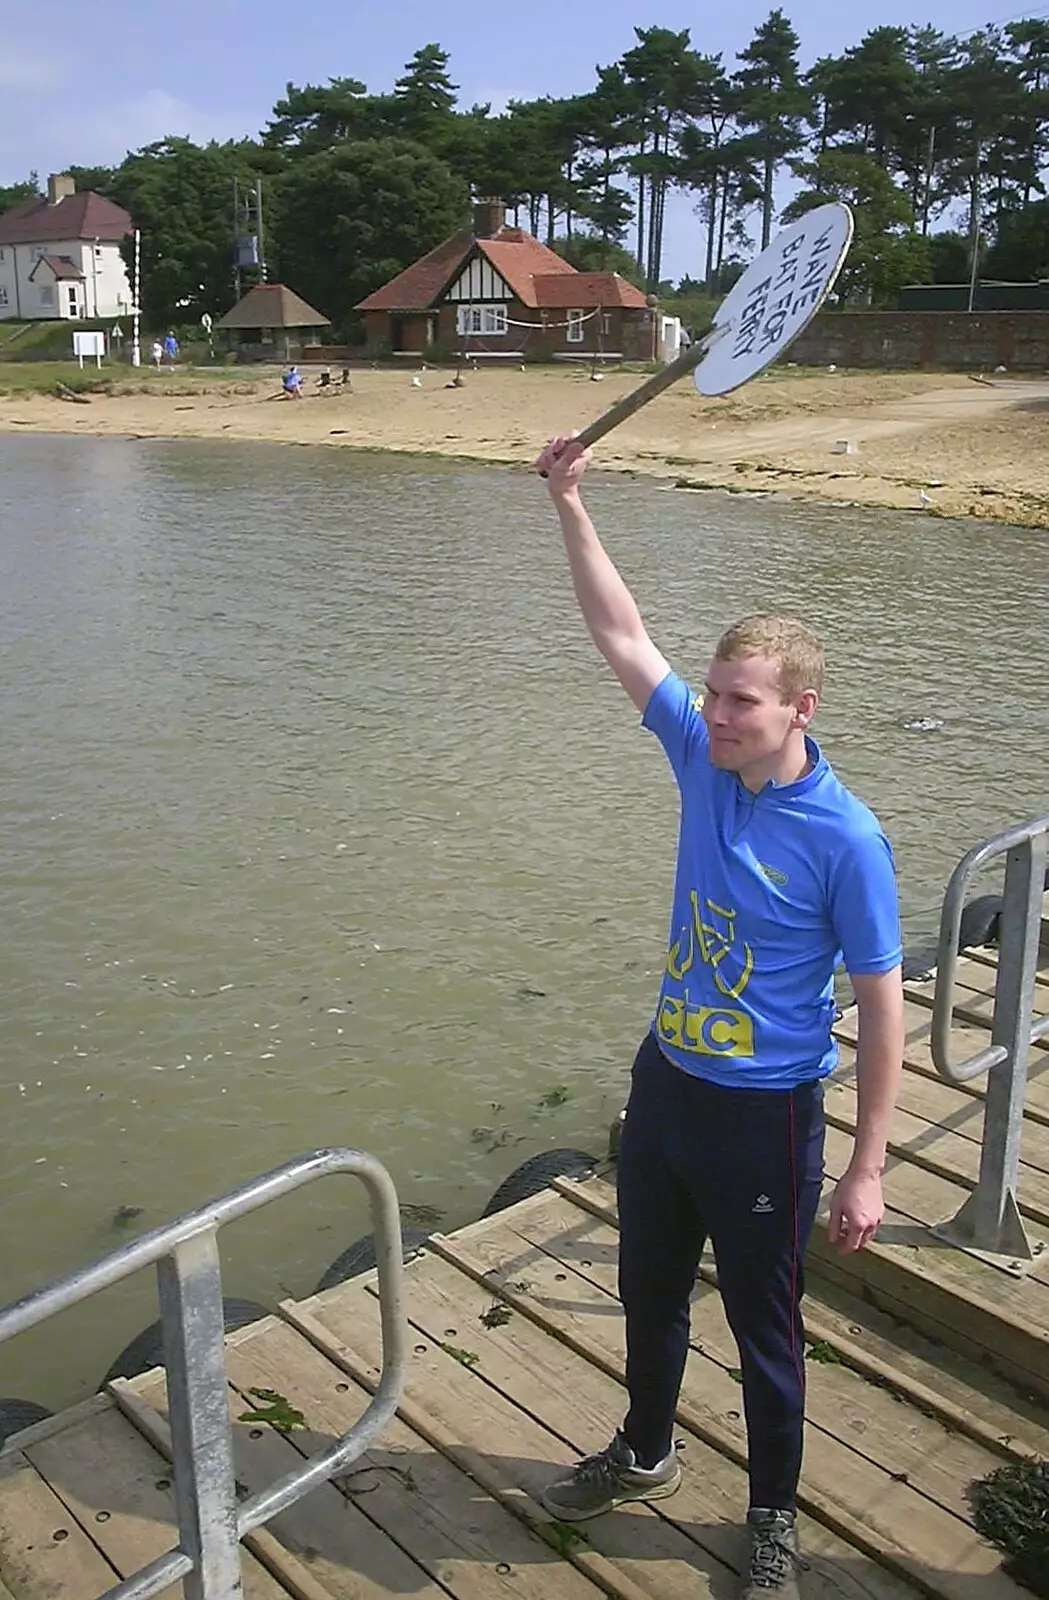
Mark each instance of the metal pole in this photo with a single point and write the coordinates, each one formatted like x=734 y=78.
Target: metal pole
x=236 y=240
x=258 y=229
x=136 y=348
x=976 y=259
x=990 y=1222
x=975 y=229
x=996 y=1223
x=198 y=1404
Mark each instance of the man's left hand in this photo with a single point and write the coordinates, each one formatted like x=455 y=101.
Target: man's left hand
x=856 y=1209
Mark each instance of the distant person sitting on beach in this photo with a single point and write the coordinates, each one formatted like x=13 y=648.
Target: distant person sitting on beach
x=293 y=383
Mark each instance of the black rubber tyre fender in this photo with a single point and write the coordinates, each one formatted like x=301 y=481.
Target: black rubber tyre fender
x=537 y=1174
x=361 y=1257
x=980 y=918
x=919 y=967
x=146 y=1350
x=18 y=1414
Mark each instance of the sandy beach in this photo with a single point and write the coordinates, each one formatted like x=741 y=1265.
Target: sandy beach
x=947 y=444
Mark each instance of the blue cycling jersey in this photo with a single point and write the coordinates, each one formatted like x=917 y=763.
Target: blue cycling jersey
x=772 y=891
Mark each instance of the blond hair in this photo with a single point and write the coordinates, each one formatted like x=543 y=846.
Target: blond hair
x=794 y=648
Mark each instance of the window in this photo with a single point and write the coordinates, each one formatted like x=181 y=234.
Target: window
x=47 y=294
x=1 y=252
x=73 y=299
x=3 y=295
x=489 y=320
x=36 y=252
x=575 y=332
x=98 y=252
x=606 y=322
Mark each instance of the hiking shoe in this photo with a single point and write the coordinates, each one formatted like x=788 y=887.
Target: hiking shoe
x=774 y=1558
x=599 y=1483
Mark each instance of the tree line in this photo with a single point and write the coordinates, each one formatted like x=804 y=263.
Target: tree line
x=938 y=142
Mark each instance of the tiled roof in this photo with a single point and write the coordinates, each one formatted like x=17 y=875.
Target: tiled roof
x=61 y=266
x=519 y=259
x=515 y=255
x=78 y=216
x=416 y=288
x=584 y=289
x=272 y=305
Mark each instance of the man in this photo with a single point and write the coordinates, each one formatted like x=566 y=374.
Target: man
x=780 y=872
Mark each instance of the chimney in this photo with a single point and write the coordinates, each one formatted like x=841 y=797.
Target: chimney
x=59 y=187
x=489 y=218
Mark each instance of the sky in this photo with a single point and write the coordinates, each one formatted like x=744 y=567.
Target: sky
x=83 y=86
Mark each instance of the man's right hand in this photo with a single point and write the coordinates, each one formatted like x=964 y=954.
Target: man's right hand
x=562 y=464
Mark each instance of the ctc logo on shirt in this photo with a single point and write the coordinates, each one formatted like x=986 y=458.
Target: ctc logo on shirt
x=706 y=1030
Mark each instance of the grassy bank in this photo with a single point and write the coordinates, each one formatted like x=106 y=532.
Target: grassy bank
x=49 y=377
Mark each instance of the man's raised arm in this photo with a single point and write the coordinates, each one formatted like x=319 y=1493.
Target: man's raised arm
x=608 y=607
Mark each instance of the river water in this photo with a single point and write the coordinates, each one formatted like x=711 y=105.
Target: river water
x=322 y=823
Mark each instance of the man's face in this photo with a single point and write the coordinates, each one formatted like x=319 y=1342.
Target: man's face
x=748 y=721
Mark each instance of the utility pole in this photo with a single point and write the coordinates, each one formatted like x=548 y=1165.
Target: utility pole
x=236 y=240
x=136 y=348
x=974 y=223
x=258 y=230
x=929 y=164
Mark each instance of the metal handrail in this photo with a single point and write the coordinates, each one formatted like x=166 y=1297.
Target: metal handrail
x=989 y=1221
x=185 y=1252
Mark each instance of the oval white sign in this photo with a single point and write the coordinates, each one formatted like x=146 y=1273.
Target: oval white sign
x=777 y=295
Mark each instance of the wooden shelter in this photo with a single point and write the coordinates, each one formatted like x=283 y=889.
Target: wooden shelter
x=272 y=313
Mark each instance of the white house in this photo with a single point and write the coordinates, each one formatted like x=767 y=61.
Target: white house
x=60 y=256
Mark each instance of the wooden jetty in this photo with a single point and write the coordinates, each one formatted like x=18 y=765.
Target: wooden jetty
x=927 y=1369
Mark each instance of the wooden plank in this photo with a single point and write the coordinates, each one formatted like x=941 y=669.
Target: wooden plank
x=876 y=1494
x=966 y=1396
x=912 y=1447
x=55 y=1424
x=959 y=1296
x=938 y=1150
x=340 y=1547
x=463 y=1538
x=929 y=1198
x=976 y=974
x=973 y=1009
x=989 y=958
x=292 y=1576
x=938 y=1102
x=944 y=1293
x=44 y=1552
x=119 y=1489
x=966 y=1041
x=583 y=1399
x=505 y=1446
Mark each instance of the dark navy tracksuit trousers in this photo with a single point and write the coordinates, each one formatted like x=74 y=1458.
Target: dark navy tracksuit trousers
x=744 y=1168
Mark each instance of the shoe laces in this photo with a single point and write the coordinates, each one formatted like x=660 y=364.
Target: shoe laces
x=602 y=1468
x=773 y=1553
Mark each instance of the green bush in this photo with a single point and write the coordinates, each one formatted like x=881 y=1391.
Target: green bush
x=1010 y=1508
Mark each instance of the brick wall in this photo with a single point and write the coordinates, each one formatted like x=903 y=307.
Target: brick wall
x=949 y=340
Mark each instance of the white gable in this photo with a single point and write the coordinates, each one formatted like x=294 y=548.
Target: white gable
x=479 y=281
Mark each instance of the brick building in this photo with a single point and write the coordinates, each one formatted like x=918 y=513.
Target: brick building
x=496 y=291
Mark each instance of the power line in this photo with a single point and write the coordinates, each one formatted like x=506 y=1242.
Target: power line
x=1000 y=22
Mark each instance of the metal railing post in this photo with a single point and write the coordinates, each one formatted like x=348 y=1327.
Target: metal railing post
x=989 y=1222
x=190 y=1284
x=211 y=1519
